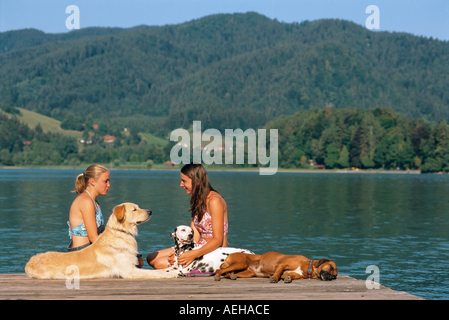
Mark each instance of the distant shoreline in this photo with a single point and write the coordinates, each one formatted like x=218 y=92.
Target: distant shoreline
x=217 y=168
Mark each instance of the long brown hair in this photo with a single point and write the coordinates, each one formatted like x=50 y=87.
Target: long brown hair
x=200 y=188
x=93 y=171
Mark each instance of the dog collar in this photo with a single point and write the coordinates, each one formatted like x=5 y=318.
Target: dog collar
x=128 y=233
x=309 y=270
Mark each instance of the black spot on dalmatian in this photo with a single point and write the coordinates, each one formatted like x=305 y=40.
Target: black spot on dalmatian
x=222 y=260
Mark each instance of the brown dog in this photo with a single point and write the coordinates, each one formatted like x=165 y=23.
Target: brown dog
x=275 y=265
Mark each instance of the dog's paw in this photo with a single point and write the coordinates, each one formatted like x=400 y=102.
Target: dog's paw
x=287 y=279
x=217 y=278
x=232 y=276
x=170 y=275
x=273 y=280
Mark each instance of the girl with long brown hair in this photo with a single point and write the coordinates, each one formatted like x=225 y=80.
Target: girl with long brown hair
x=209 y=219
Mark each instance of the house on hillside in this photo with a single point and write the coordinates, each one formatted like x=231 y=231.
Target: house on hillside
x=318 y=166
x=109 y=139
x=168 y=164
x=85 y=141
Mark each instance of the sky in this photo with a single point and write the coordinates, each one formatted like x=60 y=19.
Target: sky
x=429 y=18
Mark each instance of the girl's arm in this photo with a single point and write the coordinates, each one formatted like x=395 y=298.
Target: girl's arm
x=217 y=214
x=88 y=212
x=196 y=233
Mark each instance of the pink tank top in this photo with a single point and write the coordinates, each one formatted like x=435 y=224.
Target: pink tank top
x=204 y=227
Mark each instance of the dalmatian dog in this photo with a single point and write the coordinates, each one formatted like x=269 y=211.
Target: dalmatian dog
x=183 y=237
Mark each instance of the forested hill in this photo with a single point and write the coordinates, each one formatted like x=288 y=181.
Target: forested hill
x=26 y=38
x=227 y=70
x=374 y=138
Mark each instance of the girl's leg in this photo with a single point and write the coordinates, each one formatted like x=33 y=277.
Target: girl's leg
x=159 y=259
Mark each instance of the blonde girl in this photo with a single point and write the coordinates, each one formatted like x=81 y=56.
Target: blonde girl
x=86 y=219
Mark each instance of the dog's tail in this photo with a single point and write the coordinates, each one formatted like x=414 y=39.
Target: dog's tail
x=33 y=268
x=39 y=267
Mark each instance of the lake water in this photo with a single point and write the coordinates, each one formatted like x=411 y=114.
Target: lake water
x=396 y=222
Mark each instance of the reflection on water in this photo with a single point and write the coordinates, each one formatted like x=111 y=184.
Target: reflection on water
x=396 y=222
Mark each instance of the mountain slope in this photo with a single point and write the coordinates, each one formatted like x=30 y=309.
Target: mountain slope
x=229 y=70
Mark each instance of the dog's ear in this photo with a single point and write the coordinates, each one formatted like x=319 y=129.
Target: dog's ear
x=119 y=212
x=173 y=234
x=321 y=261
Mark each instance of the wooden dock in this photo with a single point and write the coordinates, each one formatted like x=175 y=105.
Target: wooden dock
x=19 y=286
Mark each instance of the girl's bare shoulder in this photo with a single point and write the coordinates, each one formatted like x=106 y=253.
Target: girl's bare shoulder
x=83 y=201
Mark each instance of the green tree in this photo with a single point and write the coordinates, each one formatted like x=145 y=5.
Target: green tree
x=332 y=157
x=72 y=122
x=358 y=144
x=295 y=158
x=439 y=137
x=343 y=161
x=367 y=162
x=6 y=157
x=406 y=155
x=445 y=165
x=379 y=155
x=431 y=165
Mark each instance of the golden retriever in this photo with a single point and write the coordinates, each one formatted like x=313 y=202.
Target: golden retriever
x=113 y=254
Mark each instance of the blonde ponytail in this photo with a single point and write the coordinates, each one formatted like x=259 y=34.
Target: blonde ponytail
x=80 y=184
x=93 y=171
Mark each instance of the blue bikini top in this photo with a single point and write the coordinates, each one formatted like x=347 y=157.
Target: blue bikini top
x=80 y=230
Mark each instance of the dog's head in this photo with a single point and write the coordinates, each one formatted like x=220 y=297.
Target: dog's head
x=127 y=216
x=327 y=269
x=182 y=235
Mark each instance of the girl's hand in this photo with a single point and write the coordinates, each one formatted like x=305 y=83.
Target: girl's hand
x=171 y=258
x=187 y=257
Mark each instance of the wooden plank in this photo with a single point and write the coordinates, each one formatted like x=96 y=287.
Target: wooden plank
x=19 y=286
